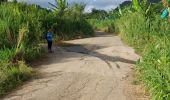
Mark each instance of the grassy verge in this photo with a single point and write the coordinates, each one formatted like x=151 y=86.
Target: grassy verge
x=13 y=76
x=20 y=33
x=150 y=38
x=22 y=28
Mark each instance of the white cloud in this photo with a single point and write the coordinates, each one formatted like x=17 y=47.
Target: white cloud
x=98 y=4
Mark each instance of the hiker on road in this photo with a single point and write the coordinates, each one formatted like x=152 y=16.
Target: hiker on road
x=49 y=38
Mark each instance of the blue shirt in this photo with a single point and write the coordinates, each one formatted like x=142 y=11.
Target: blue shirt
x=49 y=36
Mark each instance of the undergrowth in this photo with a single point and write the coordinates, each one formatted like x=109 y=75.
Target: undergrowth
x=151 y=38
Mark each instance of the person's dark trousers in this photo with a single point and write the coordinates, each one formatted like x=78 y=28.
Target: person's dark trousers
x=49 y=45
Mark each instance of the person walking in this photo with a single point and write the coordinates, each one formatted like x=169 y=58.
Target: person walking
x=49 y=38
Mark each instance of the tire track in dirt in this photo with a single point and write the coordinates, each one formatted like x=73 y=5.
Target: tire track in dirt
x=94 y=68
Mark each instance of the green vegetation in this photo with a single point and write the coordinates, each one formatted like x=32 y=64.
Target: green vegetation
x=106 y=25
x=140 y=25
x=22 y=29
x=99 y=20
x=105 y=21
x=152 y=41
x=20 y=32
x=69 y=21
x=149 y=35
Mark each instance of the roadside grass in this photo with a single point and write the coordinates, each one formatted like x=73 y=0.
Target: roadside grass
x=23 y=27
x=152 y=40
x=13 y=76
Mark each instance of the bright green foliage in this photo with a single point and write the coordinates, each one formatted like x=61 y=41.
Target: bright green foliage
x=143 y=29
x=20 y=32
x=12 y=76
x=154 y=69
x=136 y=5
x=150 y=37
x=60 y=7
x=12 y=18
x=106 y=20
x=22 y=28
x=72 y=23
x=106 y=25
x=142 y=6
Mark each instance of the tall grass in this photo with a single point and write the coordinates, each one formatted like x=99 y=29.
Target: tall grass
x=22 y=27
x=20 y=32
x=106 y=25
x=69 y=21
x=151 y=38
x=12 y=76
x=72 y=29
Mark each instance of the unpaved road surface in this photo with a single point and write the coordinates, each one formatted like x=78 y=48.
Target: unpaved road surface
x=94 y=68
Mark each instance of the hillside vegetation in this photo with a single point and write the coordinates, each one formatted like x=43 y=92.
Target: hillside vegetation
x=149 y=34
x=23 y=27
x=140 y=25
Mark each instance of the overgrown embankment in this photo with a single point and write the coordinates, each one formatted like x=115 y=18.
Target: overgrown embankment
x=22 y=29
x=140 y=26
x=20 y=32
x=149 y=35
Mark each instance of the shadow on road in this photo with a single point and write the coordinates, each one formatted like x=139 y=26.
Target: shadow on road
x=82 y=49
x=85 y=49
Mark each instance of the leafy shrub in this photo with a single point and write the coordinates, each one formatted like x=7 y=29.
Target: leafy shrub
x=71 y=29
x=69 y=21
x=22 y=27
x=12 y=76
x=150 y=37
x=20 y=32
x=106 y=25
x=155 y=69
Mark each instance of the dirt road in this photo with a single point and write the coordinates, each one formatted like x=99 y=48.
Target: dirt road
x=85 y=69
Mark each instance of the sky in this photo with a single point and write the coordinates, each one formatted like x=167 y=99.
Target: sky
x=98 y=4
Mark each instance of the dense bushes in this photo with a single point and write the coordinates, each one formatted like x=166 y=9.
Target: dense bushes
x=69 y=21
x=106 y=25
x=20 y=32
x=151 y=38
x=11 y=76
x=71 y=29
x=22 y=27
x=106 y=20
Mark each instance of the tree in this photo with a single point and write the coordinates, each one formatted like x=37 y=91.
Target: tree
x=136 y=5
x=75 y=11
x=59 y=7
x=98 y=14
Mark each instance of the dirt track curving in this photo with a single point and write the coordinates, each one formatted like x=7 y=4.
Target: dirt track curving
x=96 y=68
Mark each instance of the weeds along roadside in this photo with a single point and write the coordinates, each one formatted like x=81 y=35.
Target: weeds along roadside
x=149 y=35
x=151 y=38
x=20 y=32
x=22 y=29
